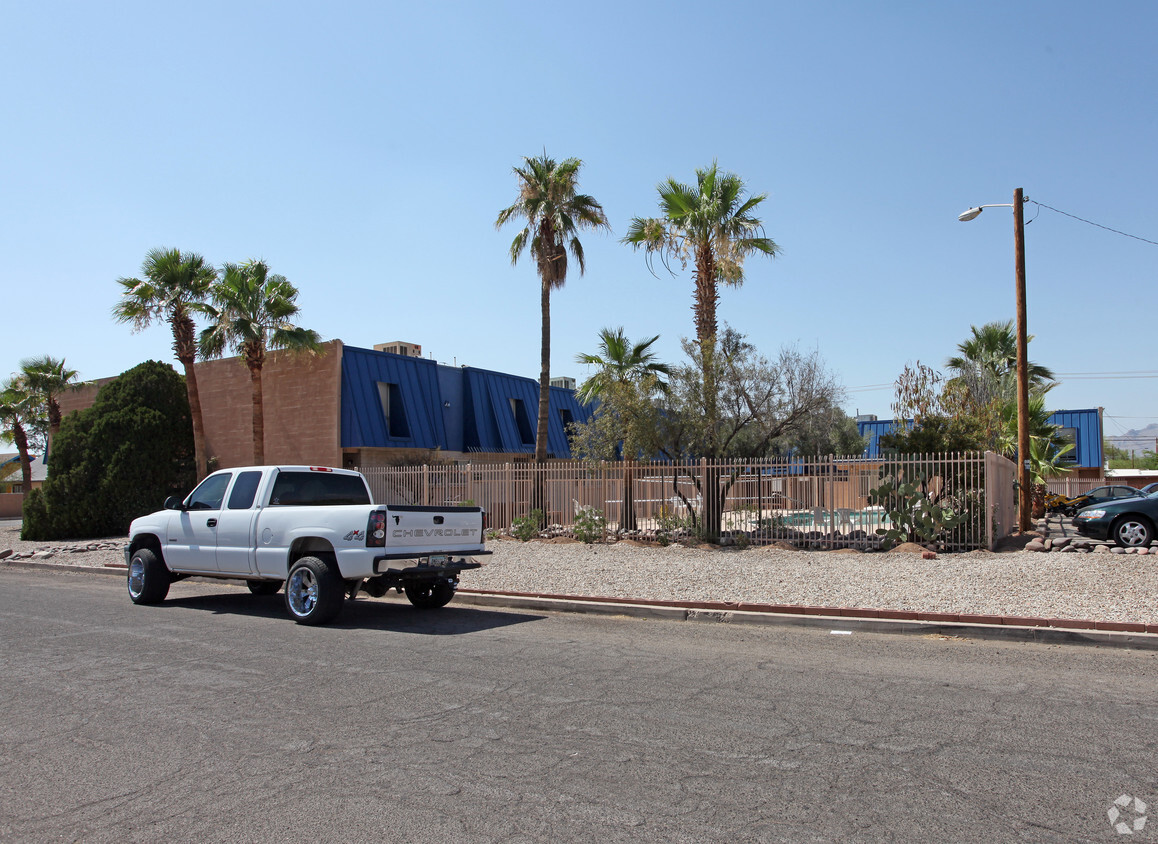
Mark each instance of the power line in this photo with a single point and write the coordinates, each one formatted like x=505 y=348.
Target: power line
x=1092 y=223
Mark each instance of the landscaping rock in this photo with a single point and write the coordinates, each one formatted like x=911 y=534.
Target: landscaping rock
x=1035 y=545
x=7 y=552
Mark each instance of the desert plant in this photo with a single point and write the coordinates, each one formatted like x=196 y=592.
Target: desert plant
x=525 y=528
x=589 y=525
x=914 y=515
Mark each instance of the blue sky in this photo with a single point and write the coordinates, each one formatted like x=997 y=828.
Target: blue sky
x=364 y=150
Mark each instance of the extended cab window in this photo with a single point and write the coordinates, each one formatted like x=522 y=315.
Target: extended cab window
x=312 y=489
x=244 y=490
x=209 y=494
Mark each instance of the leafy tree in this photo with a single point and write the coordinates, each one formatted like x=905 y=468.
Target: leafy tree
x=47 y=378
x=554 y=212
x=629 y=376
x=828 y=430
x=116 y=460
x=251 y=312
x=759 y=403
x=173 y=287
x=19 y=417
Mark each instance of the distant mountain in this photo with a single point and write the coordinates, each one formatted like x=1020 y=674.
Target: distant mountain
x=1137 y=441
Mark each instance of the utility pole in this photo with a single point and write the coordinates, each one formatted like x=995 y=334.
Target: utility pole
x=1023 y=480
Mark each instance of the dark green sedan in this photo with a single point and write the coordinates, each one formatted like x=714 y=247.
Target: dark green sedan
x=1129 y=522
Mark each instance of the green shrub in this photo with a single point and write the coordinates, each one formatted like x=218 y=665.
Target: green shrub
x=589 y=525
x=525 y=528
x=116 y=460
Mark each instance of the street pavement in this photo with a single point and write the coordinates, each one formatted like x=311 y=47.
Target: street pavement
x=212 y=717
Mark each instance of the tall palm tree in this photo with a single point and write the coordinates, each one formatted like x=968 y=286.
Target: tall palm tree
x=554 y=212
x=713 y=225
x=48 y=378
x=173 y=287
x=623 y=365
x=18 y=413
x=250 y=312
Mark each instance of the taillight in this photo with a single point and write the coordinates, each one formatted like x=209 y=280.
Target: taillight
x=376 y=530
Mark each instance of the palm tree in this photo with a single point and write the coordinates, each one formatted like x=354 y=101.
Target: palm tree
x=251 y=311
x=623 y=365
x=173 y=287
x=992 y=350
x=620 y=362
x=713 y=225
x=47 y=378
x=554 y=212
x=18 y=413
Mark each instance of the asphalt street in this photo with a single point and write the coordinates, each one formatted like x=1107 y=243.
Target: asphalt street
x=213 y=717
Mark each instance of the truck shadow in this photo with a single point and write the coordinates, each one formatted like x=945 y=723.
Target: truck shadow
x=364 y=614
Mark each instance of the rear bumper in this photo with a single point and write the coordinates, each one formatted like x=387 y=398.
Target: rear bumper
x=433 y=567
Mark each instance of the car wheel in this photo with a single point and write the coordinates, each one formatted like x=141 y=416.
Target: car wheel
x=263 y=587
x=148 y=578
x=1132 y=532
x=314 y=592
x=430 y=595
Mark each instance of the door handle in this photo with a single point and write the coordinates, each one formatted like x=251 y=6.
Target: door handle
x=211 y=523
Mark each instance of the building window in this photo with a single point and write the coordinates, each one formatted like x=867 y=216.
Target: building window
x=566 y=418
x=1069 y=435
x=393 y=410
x=523 y=422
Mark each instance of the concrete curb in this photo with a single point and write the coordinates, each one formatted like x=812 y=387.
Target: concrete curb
x=1069 y=632
x=1134 y=636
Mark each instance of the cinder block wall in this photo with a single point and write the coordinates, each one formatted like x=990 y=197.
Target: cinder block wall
x=302 y=395
x=302 y=408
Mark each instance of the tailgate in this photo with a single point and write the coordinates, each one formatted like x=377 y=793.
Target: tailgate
x=420 y=531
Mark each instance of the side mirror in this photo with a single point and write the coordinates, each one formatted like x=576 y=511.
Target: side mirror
x=173 y=503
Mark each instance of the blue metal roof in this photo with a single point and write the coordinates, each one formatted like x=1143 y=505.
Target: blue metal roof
x=363 y=419
x=492 y=400
x=451 y=408
x=1087 y=425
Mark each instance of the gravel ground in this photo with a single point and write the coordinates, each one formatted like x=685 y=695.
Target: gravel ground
x=1102 y=587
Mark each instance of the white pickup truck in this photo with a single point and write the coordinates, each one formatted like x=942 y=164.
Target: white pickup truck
x=313 y=528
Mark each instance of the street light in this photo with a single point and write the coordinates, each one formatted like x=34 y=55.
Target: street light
x=1018 y=205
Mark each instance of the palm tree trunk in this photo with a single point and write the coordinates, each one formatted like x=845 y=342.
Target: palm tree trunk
x=707 y=296
x=200 y=453
x=185 y=349
x=20 y=439
x=538 y=492
x=627 y=522
x=258 y=417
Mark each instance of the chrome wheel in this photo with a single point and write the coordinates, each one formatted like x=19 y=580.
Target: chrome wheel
x=302 y=592
x=136 y=577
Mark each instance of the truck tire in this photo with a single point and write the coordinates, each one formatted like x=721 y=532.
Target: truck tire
x=314 y=592
x=263 y=587
x=430 y=594
x=148 y=578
